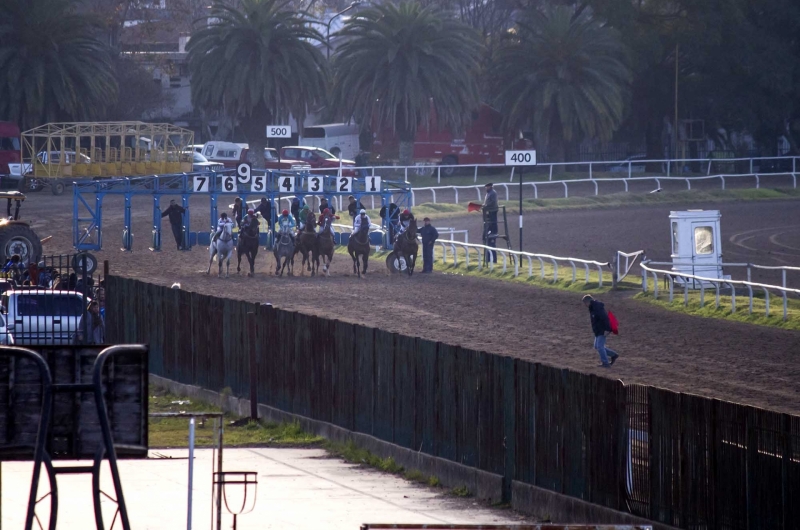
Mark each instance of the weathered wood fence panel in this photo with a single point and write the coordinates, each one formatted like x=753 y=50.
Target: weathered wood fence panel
x=679 y=459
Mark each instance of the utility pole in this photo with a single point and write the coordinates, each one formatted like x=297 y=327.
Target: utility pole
x=675 y=123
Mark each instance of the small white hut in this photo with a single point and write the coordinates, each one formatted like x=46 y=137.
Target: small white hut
x=696 y=243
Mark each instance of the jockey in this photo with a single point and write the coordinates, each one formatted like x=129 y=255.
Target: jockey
x=223 y=220
x=250 y=220
x=325 y=215
x=405 y=219
x=285 y=223
x=361 y=220
x=302 y=216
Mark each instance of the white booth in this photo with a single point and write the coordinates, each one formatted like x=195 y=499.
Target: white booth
x=696 y=243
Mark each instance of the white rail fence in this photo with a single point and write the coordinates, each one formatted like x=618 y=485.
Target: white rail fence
x=513 y=258
x=668 y=166
x=717 y=284
x=477 y=190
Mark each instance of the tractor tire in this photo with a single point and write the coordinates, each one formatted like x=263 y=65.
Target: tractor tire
x=57 y=187
x=19 y=238
x=394 y=263
x=91 y=263
x=449 y=160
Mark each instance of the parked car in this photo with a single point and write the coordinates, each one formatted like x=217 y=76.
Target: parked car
x=637 y=166
x=45 y=157
x=6 y=338
x=318 y=158
x=201 y=163
x=231 y=155
x=39 y=316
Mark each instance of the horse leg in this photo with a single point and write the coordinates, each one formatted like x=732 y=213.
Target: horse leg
x=228 y=265
x=366 y=262
x=411 y=261
x=251 y=257
x=355 y=262
x=211 y=259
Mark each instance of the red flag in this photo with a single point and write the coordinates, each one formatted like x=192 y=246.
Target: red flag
x=474 y=207
x=614 y=323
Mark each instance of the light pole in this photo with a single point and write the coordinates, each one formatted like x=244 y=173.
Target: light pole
x=328 y=26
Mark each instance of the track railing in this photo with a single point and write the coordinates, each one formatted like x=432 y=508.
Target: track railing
x=477 y=189
x=717 y=284
x=513 y=258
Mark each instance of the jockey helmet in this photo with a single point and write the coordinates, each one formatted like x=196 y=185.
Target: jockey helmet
x=251 y=211
x=363 y=211
x=223 y=215
x=285 y=213
x=326 y=211
x=406 y=211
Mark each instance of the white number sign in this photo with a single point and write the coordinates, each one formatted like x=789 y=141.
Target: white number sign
x=229 y=183
x=373 y=184
x=259 y=183
x=314 y=184
x=344 y=184
x=201 y=184
x=520 y=158
x=279 y=131
x=243 y=173
x=286 y=184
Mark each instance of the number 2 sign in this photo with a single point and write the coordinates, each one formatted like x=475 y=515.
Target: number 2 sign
x=344 y=184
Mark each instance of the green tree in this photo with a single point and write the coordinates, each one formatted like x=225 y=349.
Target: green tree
x=565 y=74
x=54 y=68
x=405 y=66
x=258 y=61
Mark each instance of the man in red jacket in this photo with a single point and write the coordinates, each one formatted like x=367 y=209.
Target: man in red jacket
x=600 y=326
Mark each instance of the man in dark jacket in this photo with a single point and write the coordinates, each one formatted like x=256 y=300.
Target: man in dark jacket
x=323 y=203
x=392 y=216
x=429 y=236
x=600 y=326
x=265 y=209
x=490 y=208
x=354 y=207
x=175 y=214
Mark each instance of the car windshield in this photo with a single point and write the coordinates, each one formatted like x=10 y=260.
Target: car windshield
x=49 y=305
x=322 y=153
x=9 y=144
x=270 y=154
x=197 y=158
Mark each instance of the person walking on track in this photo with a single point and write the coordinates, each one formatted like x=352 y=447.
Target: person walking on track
x=429 y=236
x=175 y=214
x=601 y=325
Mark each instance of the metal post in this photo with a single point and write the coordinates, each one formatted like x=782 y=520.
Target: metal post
x=191 y=474
x=219 y=470
x=521 y=180
x=186 y=223
x=251 y=321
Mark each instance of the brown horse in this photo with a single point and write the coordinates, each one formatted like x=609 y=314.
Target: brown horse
x=407 y=247
x=324 y=247
x=307 y=245
x=359 y=246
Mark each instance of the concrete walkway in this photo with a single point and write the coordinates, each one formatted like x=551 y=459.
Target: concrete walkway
x=298 y=489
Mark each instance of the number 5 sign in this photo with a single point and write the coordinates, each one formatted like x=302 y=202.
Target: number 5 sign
x=520 y=158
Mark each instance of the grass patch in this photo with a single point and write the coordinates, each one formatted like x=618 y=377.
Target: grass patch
x=742 y=314
x=174 y=432
x=461 y=491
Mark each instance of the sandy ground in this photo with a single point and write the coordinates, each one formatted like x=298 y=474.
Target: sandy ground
x=726 y=360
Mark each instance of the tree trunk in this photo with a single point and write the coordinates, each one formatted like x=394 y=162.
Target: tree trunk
x=406 y=152
x=254 y=128
x=555 y=141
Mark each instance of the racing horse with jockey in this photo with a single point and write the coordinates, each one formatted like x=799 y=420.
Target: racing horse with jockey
x=359 y=242
x=307 y=241
x=222 y=245
x=406 y=245
x=248 y=242
x=284 y=244
x=325 y=242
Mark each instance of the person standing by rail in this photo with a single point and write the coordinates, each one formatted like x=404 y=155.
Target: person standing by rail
x=429 y=236
x=600 y=326
x=490 y=208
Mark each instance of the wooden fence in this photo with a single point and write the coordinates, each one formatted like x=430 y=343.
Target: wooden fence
x=679 y=459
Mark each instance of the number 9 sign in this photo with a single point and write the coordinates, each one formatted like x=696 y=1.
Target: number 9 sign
x=243 y=173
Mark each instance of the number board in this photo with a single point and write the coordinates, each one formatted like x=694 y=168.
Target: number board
x=243 y=173
x=229 y=183
x=520 y=158
x=344 y=184
x=279 y=131
x=372 y=184
x=286 y=184
x=201 y=184
x=259 y=183
x=314 y=183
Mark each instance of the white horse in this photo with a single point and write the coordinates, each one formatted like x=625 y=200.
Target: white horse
x=222 y=247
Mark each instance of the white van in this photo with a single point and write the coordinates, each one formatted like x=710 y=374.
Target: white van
x=341 y=139
x=227 y=153
x=41 y=316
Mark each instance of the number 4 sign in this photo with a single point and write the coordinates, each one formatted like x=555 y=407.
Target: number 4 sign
x=286 y=184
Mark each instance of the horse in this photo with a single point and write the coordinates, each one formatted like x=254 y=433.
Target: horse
x=284 y=250
x=248 y=246
x=222 y=247
x=407 y=246
x=324 y=247
x=307 y=245
x=359 y=246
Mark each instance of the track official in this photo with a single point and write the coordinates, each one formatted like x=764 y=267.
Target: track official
x=175 y=214
x=429 y=236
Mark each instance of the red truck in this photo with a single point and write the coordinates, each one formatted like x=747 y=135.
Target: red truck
x=9 y=146
x=481 y=143
x=318 y=158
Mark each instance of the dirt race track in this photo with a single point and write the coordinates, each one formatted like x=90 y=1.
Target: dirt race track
x=726 y=360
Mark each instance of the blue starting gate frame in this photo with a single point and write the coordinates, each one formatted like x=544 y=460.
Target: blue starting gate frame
x=88 y=195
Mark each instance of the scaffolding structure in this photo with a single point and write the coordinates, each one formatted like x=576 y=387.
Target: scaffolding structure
x=105 y=149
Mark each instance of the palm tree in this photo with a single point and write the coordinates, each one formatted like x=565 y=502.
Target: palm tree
x=258 y=61
x=565 y=73
x=54 y=68
x=406 y=66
